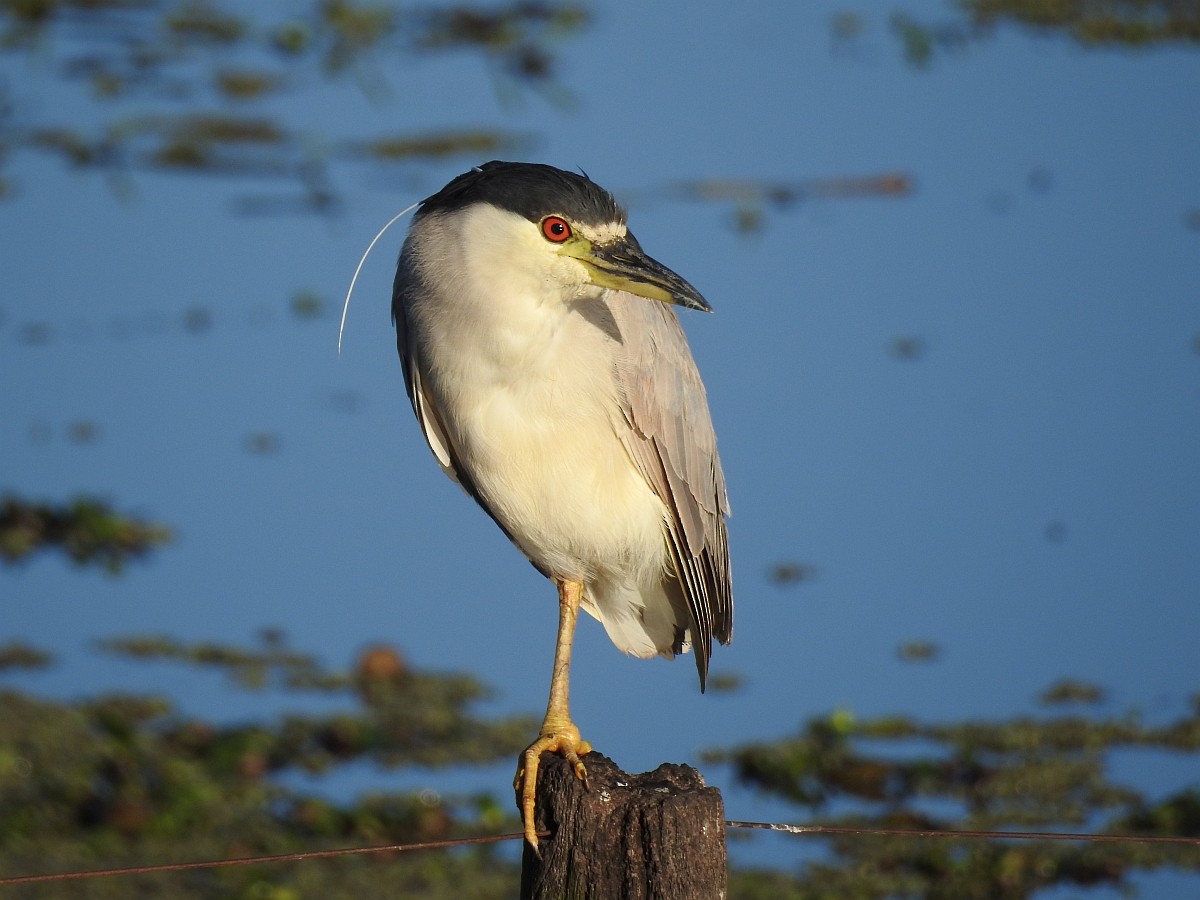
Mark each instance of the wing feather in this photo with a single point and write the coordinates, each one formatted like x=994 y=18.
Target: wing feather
x=670 y=437
x=422 y=403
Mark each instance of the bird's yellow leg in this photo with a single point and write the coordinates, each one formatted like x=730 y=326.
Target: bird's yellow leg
x=558 y=734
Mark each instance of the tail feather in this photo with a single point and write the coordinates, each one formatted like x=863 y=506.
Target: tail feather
x=640 y=622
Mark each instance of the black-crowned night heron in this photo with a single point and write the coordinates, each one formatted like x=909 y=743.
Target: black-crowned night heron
x=566 y=402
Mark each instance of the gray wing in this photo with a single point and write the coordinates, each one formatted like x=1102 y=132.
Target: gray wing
x=425 y=409
x=668 y=432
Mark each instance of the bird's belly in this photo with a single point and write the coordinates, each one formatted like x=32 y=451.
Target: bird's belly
x=545 y=459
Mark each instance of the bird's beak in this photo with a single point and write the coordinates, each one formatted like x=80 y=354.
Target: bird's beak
x=622 y=266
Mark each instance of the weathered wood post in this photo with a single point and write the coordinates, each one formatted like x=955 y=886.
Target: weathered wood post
x=655 y=836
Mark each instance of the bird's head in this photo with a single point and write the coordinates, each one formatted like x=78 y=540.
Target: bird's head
x=548 y=230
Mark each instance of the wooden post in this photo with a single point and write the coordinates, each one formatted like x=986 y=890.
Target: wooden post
x=656 y=836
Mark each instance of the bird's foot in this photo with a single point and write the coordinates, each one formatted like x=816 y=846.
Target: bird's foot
x=563 y=740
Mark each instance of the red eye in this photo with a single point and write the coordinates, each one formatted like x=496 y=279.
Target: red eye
x=556 y=229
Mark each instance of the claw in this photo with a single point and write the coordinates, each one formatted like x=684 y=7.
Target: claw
x=565 y=742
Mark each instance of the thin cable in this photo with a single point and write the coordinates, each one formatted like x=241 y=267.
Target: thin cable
x=497 y=838
x=253 y=860
x=988 y=835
